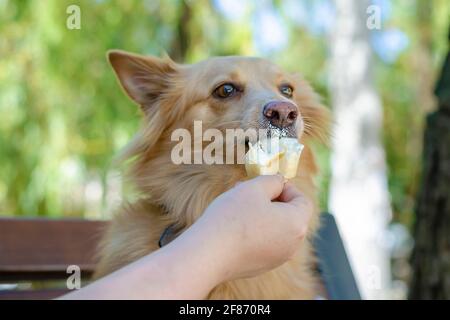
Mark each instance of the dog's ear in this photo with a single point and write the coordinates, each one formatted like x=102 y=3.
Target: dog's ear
x=144 y=78
x=148 y=81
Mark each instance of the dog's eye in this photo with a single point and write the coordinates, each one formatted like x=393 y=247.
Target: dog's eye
x=225 y=91
x=287 y=91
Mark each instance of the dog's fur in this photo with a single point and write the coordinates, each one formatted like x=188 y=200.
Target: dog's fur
x=173 y=96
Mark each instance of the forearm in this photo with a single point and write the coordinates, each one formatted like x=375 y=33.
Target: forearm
x=244 y=232
x=184 y=269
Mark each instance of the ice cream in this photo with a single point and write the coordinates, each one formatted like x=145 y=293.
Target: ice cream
x=272 y=156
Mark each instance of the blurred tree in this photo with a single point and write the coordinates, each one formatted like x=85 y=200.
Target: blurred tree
x=358 y=190
x=181 y=41
x=431 y=256
x=423 y=56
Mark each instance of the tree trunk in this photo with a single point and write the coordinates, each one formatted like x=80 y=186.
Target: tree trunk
x=431 y=255
x=359 y=196
x=180 y=42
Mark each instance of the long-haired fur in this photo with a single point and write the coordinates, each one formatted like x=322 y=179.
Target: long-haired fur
x=172 y=96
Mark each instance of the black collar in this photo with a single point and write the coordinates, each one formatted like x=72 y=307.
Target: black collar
x=168 y=235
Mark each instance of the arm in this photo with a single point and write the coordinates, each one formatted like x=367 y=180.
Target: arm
x=184 y=269
x=252 y=228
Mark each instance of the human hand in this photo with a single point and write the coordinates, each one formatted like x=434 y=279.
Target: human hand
x=254 y=227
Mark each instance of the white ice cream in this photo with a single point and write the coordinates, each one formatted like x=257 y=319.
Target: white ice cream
x=273 y=156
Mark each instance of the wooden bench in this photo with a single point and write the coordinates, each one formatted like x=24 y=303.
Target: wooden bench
x=42 y=249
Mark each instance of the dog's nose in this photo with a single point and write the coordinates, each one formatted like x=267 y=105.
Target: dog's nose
x=281 y=114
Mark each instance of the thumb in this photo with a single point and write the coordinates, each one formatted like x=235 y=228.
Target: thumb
x=272 y=185
x=289 y=193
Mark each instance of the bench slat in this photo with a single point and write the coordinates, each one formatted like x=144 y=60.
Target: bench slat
x=34 y=249
x=32 y=294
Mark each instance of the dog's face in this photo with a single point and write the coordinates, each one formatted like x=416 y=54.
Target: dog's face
x=247 y=93
x=222 y=92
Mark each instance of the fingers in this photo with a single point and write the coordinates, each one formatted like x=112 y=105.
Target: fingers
x=289 y=193
x=271 y=185
x=303 y=202
x=292 y=195
x=304 y=207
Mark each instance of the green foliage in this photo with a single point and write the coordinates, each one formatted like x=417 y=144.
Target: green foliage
x=63 y=116
x=406 y=89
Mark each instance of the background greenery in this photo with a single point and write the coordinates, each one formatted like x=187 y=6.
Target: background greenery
x=63 y=116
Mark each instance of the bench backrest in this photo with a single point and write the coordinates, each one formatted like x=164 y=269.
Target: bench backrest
x=42 y=249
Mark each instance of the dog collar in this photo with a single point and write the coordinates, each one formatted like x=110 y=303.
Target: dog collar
x=167 y=236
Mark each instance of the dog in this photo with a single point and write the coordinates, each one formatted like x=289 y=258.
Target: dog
x=224 y=93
